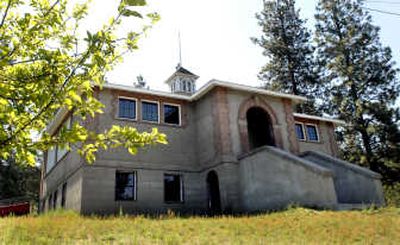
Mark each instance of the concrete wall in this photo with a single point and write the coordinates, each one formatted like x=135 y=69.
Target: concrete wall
x=353 y=183
x=327 y=142
x=99 y=191
x=181 y=149
x=272 y=179
x=235 y=101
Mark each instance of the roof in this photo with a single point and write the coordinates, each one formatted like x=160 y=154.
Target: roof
x=205 y=89
x=181 y=70
x=318 y=118
x=184 y=71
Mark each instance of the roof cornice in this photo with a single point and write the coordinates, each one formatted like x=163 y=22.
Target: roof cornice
x=318 y=118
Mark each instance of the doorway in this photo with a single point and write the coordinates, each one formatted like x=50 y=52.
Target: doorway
x=214 y=200
x=259 y=128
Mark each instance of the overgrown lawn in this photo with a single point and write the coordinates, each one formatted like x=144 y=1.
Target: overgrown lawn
x=298 y=225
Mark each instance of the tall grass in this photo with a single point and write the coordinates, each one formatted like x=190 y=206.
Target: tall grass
x=297 y=225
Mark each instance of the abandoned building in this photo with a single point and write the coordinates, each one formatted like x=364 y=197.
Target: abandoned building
x=232 y=148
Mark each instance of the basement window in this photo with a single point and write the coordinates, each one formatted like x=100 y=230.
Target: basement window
x=312 y=132
x=173 y=188
x=172 y=114
x=125 y=186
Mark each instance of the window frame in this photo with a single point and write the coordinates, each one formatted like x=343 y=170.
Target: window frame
x=303 y=129
x=135 y=181
x=136 y=108
x=158 y=110
x=179 y=111
x=181 y=189
x=316 y=131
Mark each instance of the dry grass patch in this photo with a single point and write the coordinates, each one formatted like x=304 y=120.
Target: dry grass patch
x=298 y=225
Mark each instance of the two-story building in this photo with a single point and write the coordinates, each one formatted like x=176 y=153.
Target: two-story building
x=232 y=148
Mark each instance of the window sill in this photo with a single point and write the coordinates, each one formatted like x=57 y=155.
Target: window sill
x=126 y=119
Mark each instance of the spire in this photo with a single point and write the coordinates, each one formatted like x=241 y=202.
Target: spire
x=180 y=49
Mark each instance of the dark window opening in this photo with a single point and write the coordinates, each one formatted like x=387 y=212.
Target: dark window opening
x=127 y=109
x=300 y=131
x=150 y=111
x=171 y=114
x=312 y=133
x=173 y=189
x=259 y=128
x=63 y=194
x=50 y=202
x=125 y=186
x=55 y=200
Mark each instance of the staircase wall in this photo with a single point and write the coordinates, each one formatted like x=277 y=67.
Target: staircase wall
x=353 y=184
x=271 y=178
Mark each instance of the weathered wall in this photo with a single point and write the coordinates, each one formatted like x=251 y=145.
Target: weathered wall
x=237 y=101
x=353 y=183
x=181 y=148
x=272 y=179
x=99 y=191
x=327 y=142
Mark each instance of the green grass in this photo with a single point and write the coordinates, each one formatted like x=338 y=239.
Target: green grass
x=297 y=225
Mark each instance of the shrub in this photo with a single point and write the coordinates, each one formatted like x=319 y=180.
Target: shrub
x=392 y=195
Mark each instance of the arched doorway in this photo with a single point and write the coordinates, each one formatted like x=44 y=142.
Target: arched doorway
x=214 y=200
x=259 y=127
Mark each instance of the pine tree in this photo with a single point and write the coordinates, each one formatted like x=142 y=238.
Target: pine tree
x=360 y=83
x=287 y=43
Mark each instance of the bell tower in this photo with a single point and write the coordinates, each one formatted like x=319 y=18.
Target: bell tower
x=182 y=81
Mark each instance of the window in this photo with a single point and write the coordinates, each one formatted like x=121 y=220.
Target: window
x=127 y=108
x=149 y=111
x=312 y=133
x=55 y=200
x=63 y=194
x=125 y=186
x=51 y=158
x=173 y=188
x=171 y=114
x=300 y=131
x=62 y=151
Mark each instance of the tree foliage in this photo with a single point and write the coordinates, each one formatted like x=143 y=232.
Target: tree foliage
x=46 y=65
x=287 y=43
x=361 y=86
x=18 y=180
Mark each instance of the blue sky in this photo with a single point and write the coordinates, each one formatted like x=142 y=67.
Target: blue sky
x=215 y=39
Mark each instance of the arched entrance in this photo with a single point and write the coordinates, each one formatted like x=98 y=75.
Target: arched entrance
x=214 y=200
x=259 y=127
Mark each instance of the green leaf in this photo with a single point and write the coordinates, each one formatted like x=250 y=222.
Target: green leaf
x=135 y=2
x=128 y=12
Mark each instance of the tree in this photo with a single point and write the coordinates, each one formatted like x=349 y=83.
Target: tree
x=287 y=44
x=18 y=180
x=47 y=65
x=361 y=86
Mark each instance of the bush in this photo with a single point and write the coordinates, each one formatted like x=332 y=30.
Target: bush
x=392 y=195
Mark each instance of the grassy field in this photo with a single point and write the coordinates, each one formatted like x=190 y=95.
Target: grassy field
x=296 y=225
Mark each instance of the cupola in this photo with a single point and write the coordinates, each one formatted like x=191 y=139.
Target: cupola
x=182 y=81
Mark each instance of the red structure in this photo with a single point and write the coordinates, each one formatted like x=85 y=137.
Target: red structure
x=21 y=208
